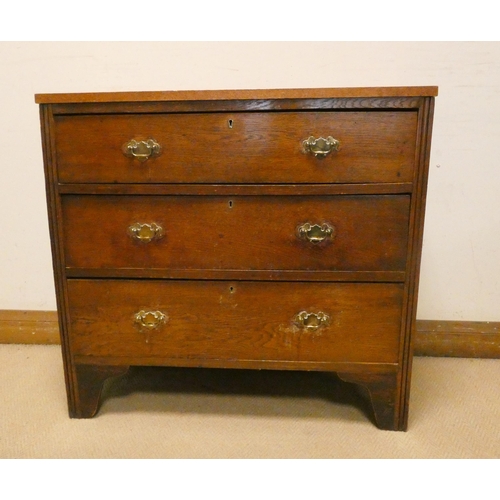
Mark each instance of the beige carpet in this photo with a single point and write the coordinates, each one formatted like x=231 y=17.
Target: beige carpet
x=184 y=413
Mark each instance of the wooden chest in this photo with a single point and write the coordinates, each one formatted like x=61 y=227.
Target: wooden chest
x=266 y=229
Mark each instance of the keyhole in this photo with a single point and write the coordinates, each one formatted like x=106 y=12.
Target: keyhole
x=230 y=203
x=231 y=289
x=230 y=123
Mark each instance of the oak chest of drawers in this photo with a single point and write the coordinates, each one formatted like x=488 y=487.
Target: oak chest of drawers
x=267 y=229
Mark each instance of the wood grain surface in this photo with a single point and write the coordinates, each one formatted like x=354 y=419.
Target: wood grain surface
x=240 y=320
x=259 y=148
x=250 y=94
x=237 y=233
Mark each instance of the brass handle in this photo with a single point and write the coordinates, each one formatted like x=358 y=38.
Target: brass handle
x=311 y=321
x=141 y=150
x=145 y=233
x=320 y=147
x=315 y=233
x=150 y=320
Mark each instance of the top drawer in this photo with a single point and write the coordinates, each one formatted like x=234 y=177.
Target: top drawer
x=240 y=147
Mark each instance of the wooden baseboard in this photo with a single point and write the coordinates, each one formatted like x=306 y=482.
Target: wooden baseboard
x=29 y=327
x=462 y=339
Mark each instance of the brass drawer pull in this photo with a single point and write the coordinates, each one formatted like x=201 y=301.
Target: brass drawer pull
x=320 y=147
x=141 y=150
x=150 y=320
x=145 y=233
x=311 y=321
x=315 y=233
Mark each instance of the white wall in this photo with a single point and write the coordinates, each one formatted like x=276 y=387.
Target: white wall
x=461 y=255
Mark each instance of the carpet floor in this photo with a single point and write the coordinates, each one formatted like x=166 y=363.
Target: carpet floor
x=196 y=413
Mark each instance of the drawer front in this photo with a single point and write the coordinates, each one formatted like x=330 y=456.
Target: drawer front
x=257 y=147
x=318 y=233
x=329 y=322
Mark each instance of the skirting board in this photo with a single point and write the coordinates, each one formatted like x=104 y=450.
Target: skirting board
x=462 y=339
x=29 y=327
x=459 y=339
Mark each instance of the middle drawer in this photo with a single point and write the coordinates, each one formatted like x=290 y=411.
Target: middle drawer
x=317 y=233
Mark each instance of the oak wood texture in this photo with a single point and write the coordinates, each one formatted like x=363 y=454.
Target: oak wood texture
x=230 y=195
x=238 y=189
x=244 y=105
x=88 y=382
x=383 y=394
x=242 y=320
x=204 y=148
x=244 y=94
x=460 y=339
x=28 y=327
x=237 y=233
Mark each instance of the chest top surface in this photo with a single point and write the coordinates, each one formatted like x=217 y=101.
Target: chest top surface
x=243 y=94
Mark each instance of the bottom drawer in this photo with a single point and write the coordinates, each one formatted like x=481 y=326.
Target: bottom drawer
x=245 y=320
